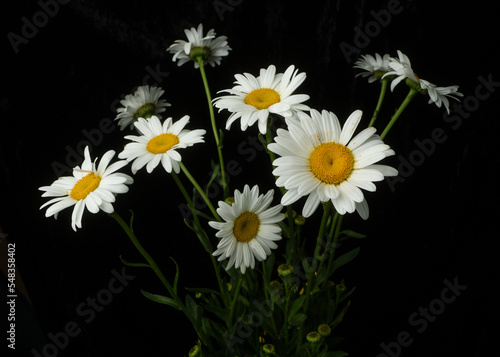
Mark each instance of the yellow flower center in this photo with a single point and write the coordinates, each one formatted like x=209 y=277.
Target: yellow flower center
x=331 y=163
x=162 y=143
x=84 y=186
x=246 y=227
x=262 y=98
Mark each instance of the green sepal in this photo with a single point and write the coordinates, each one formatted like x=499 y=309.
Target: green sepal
x=130 y=264
x=161 y=299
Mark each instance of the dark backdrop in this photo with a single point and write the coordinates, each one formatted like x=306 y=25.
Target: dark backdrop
x=435 y=224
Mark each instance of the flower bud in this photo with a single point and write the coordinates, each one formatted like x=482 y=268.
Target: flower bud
x=229 y=200
x=299 y=220
x=195 y=351
x=324 y=330
x=285 y=270
x=268 y=349
x=313 y=337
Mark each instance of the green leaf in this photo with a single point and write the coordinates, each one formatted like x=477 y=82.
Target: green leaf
x=191 y=306
x=129 y=264
x=296 y=305
x=176 y=278
x=131 y=221
x=337 y=354
x=203 y=291
x=297 y=319
x=344 y=259
x=352 y=234
x=215 y=173
x=160 y=299
x=218 y=311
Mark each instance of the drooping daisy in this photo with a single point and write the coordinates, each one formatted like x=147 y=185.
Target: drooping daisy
x=90 y=187
x=209 y=47
x=249 y=230
x=144 y=103
x=253 y=99
x=375 y=67
x=401 y=68
x=321 y=161
x=159 y=143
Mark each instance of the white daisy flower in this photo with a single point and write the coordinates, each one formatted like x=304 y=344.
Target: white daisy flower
x=249 y=230
x=375 y=67
x=321 y=161
x=144 y=103
x=401 y=67
x=253 y=99
x=91 y=187
x=159 y=143
x=209 y=47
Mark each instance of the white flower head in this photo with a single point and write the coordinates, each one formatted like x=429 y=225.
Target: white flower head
x=209 y=47
x=323 y=161
x=401 y=68
x=374 y=67
x=144 y=103
x=90 y=187
x=253 y=99
x=250 y=228
x=160 y=143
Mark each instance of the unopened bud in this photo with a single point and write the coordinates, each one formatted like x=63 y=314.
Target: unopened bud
x=313 y=337
x=195 y=351
x=299 y=220
x=268 y=349
x=324 y=330
x=285 y=269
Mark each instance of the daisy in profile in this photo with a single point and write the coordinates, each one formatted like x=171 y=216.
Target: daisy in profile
x=324 y=162
x=253 y=99
x=159 y=143
x=401 y=68
x=210 y=48
x=89 y=187
x=249 y=230
x=374 y=67
x=144 y=103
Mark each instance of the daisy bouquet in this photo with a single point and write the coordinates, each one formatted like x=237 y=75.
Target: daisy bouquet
x=277 y=289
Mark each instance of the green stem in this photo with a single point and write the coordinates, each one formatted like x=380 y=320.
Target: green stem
x=383 y=89
x=151 y=263
x=218 y=142
x=200 y=191
x=400 y=110
x=233 y=303
x=206 y=242
x=334 y=242
x=310 y=273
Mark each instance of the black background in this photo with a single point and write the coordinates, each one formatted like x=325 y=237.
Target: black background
x=438 y=224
